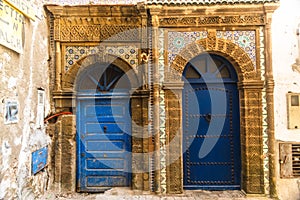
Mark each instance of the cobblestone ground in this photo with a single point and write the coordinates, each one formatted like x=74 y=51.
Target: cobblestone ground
x=127 y=194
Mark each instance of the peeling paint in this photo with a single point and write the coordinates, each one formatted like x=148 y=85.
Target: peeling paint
x=6 y=153
x=6 y=185
x=12 y=83
x=20 y=76
x=17 y=141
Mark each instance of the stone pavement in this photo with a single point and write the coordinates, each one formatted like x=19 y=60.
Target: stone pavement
x=127 y=194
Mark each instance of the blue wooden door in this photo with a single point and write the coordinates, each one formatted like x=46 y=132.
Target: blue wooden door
x=211 y=136
x=103 y=135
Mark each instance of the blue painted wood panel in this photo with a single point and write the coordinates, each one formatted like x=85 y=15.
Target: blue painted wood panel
x=103 y=144
x=212 y=156
x=211 y=125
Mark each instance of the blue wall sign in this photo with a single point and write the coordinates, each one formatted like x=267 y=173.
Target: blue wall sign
x=39 y=159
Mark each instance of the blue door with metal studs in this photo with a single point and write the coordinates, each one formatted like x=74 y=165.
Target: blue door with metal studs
x=103 y=130
x=211 y=134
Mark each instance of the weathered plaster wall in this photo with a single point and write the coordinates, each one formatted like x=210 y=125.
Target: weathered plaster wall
x=285 y=52
x=286 y=49
x=20 y=77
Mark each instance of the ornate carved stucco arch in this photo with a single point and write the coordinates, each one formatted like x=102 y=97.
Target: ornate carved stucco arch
x=250 y=92
x=235 y=54
x=69 y=79
x=138 y=97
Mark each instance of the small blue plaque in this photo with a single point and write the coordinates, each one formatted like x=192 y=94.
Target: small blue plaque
x=39 y=159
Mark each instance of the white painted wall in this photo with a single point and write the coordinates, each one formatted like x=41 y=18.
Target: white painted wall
x=286 y=49
x=286 y=21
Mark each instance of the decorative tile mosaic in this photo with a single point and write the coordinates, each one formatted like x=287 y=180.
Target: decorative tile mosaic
x=162 y=115
x=127 y=53
x=162 y=138
x=245 y=39
x=178 y=40
x=264 y=113
x=75 y=53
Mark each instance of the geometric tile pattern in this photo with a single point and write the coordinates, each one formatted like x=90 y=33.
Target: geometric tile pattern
x=127 y=53
x=75 y=53
x=244 y=39
x=162 y=115
x=162 y=140
x=264 y=113
x=178 y=40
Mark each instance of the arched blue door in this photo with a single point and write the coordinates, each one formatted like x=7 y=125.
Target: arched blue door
x=211 y=134
x=103 y=129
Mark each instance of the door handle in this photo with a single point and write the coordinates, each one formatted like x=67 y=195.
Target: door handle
x=105 y=129
x=208 y=117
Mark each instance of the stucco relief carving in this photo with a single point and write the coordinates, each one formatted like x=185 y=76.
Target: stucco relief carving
x=56 y=29
x=213 y=20
x=97 y=29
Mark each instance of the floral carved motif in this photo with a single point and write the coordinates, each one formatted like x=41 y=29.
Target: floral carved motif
x=176 y=21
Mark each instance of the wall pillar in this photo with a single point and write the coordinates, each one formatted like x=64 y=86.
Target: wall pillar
x=58 y=66
x=156 y=91
x=173 y=97
x=251 y=136
x=140 y=141
x=270 y=104
x=65 y=154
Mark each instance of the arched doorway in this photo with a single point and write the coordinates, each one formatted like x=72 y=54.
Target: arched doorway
x=211 y=125
x=103 y=128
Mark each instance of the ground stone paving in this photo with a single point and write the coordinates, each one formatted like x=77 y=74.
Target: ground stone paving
x=127 y=194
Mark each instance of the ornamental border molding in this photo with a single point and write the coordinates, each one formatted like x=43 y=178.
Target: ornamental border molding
x=213 y=20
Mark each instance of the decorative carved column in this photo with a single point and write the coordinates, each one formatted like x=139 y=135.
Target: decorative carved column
x=58 y=66
x=156 y=89
x=270 y=103
x=251 y=136
x=173 y=96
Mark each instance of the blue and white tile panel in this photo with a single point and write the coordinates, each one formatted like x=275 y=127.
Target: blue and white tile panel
x=264 y=113
x=177 y=41
x=244 y=39
x=162 y=115
x=75 y=53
